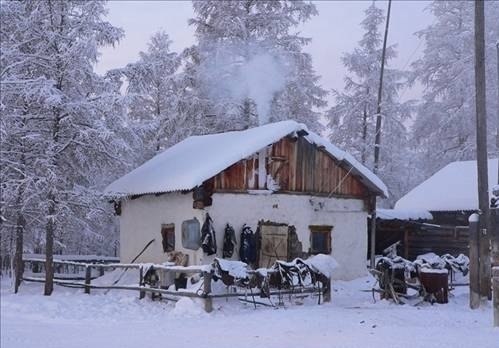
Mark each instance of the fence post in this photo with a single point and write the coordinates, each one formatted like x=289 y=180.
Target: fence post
x=494 y=236
x=142 y=293
x=474 y=261
x=208 y=302
x=495 y=291
x=88 y=278
x=327 y=291
x=494 y=227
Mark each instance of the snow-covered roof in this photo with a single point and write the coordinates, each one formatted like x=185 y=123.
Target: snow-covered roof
x=453 y=187
x=192 y=161
x=405 y=215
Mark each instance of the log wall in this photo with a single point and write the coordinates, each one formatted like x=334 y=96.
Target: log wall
x=440 y=241
x=416 y=240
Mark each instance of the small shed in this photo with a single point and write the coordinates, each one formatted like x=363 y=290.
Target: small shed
x=448 y=197
x=303 y=195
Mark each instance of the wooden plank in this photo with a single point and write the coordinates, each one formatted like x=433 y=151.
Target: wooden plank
x=292 y=164
x=313 y=169
x=245 y=173
x=318 y=172
x=299 y=166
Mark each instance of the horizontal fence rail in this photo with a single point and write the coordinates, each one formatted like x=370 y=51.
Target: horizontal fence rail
x=204 y=292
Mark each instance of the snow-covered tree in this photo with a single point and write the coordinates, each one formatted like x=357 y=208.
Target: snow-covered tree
x=352 y=119
x=444 y=129
x=67 y=118
x=153 y=92
x=251 y=62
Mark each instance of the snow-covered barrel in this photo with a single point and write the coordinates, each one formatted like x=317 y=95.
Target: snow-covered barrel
x=436 y=283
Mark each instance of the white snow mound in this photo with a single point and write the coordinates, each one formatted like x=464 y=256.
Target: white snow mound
x=186 y=307
x=322 y=263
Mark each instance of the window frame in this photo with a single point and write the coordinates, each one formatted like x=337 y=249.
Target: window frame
x=323 y=229
x=168 y=237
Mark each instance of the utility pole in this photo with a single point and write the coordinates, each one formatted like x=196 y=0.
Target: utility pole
x=481 y=150
x=497 y=120
x=377 y=140
x=494 y=220
x=497 y=124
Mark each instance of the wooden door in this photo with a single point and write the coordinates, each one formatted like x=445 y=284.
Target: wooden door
x=274 y=238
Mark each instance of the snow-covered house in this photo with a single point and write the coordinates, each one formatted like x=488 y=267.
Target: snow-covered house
x=308 y=197
x=443 y=203
x=452 y=189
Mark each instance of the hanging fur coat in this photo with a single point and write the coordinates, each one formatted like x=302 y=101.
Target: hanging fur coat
x=208 y=240
x=229 y=241
x=247 y=249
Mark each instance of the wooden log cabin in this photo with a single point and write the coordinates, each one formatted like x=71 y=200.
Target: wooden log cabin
x=303 y=195
x=433 y=216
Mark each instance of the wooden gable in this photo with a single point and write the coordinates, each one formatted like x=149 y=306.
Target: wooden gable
x=297 y=166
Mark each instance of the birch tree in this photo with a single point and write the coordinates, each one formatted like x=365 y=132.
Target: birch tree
x=69 y=122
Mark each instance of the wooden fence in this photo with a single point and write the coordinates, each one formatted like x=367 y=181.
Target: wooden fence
x=204 y=292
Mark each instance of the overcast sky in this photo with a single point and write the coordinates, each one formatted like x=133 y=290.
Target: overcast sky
x=335 y=30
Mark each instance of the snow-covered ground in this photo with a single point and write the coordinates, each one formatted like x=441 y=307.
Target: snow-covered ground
x=71 y=319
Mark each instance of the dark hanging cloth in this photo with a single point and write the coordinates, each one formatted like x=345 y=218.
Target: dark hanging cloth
x=208 y=240
x=229 y=241
x=247 y=249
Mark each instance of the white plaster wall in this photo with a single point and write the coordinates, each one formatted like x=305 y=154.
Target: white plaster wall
x=347 y=216
x=141 y=221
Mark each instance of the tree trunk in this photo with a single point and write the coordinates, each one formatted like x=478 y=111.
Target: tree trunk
x=20 y=221
x=18 y=259
x=51 y=212
x=49 y=247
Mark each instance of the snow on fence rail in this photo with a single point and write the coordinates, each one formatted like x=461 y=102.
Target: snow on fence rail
x=67 y=266
x=296 y=277
x=76 y=258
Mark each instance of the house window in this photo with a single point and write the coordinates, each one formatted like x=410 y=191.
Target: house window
x=168 y=237
x=191 y=234
x=320 y=239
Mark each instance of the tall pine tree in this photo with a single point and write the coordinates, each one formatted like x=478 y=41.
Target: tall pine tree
x=444 y=129
x=352 y=119
x=236 y=35
x=153 y=94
